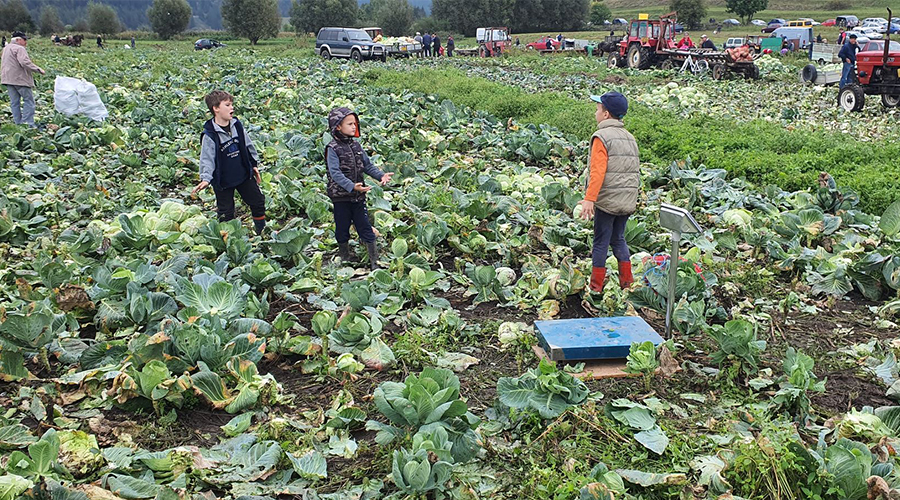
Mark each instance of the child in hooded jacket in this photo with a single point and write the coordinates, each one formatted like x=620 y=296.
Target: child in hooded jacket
x=347 y=163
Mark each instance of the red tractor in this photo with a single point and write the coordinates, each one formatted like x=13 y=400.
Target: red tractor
x=644 y=43
x=492 y=42
x=876 y=74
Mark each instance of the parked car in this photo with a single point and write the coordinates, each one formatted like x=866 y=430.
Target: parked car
x=876 y=20
x=352 y=43
x=878 y=46
x=777 y=21
x=828 y=22
x=811 y=20
x=770 y=28
x=799 y=23
x=846 y=21
x=206 y=43
x=735 y=42
x=541 y=43
x=873 y=32
x=679 y=28
x=863 y=37
x=731 y=22
x=758 y=22
x=619 y=20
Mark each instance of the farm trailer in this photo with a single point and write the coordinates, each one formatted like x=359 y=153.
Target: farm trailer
x=652 y=43
x=397 y=48
x=825 y=53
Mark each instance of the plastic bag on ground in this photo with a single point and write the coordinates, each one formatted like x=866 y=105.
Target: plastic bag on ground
x=72 y=96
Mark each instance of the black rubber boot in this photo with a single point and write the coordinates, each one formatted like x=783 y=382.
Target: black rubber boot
x=259 y=225
x=344 y=251
x=372 y=248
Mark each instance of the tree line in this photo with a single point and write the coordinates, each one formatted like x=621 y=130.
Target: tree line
x=257 y=19
x=398 y=17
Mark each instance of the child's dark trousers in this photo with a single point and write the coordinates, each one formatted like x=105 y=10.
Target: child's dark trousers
x=356 y=213
x=609 y=230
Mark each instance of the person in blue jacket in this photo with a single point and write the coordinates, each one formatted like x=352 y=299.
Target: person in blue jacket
x=426 y=44
x=847 y=56
x=229 y=161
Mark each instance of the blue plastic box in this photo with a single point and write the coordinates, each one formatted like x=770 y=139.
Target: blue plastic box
x=593 y=338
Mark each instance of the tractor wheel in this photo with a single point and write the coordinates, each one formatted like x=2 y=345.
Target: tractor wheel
x=719 y=71
x=638 y=57
x=890 y=101
x=667 y=64
x=852 y=98
x=326 y=54
x=809 y=74
x=614 y=61
x=356 y=56
x=752 y=72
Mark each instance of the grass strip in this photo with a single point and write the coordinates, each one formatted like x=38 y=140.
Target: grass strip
x=761 y=151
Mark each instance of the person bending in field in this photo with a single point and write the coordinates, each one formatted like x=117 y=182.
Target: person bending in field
x=613 y=183
x=229 y=161
x=347 y=162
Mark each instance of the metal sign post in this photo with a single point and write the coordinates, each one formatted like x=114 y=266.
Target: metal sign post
x=679 y=221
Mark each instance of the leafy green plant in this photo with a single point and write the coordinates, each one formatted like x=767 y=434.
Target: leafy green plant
x=42 y=460
x=28 y=330
x=154 y=382
x=642 y=359
x=414 y=473
x=211 y=295
x=545 y=390
x=737 y=344
x=428 y=399
x=248 y=387
x=798 y=382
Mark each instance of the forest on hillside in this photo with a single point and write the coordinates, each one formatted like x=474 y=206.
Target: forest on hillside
x=133 y=13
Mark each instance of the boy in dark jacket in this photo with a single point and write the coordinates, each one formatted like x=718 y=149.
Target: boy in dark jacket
x=347 y=162
x=229 y=162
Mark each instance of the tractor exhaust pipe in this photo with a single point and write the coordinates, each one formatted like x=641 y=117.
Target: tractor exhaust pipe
x=887 y=44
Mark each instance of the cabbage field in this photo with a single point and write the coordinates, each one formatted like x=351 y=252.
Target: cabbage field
x=148 y=351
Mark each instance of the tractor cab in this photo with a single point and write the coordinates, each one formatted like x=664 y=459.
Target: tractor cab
x=492 y=41
x=645 y=37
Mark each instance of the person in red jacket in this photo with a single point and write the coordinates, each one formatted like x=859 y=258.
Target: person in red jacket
x=686 y=42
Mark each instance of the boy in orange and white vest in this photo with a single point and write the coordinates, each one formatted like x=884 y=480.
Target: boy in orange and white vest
x=613 y=184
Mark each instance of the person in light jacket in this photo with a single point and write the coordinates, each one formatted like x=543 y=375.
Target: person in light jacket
x=16 y=70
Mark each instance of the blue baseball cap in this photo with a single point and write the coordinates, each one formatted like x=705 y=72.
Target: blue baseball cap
x=614 y=102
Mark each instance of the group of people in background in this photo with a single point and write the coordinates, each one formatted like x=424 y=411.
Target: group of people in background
x=431 y=45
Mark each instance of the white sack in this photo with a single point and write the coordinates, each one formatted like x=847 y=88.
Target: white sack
x=73 y=96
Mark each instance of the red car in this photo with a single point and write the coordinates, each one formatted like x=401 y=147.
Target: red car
x=541 y=44
x=770 y=28
x=829 y=22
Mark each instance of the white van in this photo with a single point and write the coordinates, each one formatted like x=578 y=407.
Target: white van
x=803 y=35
